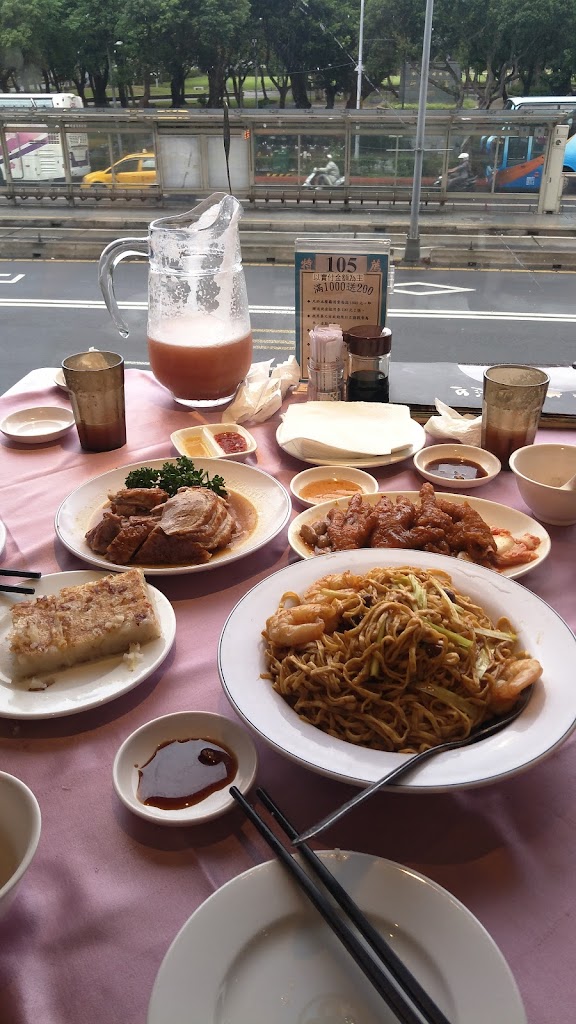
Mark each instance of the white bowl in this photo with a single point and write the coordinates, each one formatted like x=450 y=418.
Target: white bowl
x=141 y=745
x=540 y=471
x=36 y=426
x=328 y=475
x=20 y=826
x=200 y=441
x=469 y=453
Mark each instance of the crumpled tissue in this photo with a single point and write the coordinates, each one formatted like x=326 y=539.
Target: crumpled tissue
x=263 y=391
x=455 y=426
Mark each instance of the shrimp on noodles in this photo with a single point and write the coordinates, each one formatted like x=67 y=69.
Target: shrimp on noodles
x=394 y=659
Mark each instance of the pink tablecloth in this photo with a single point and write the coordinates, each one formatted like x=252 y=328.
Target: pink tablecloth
x=107 y=892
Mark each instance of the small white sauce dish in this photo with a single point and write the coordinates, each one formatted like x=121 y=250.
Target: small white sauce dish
x=36 y=426
x=540 y=471
x=60 y=380
x=424 y=459
x=20 y=827
x=142 y=744
x=313 y=486
x=200 y=442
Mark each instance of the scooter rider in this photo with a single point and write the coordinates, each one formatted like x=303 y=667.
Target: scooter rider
x=462 y=169
x=331 y=170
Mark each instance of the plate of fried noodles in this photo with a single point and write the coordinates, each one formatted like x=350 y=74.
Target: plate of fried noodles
x=358 y=659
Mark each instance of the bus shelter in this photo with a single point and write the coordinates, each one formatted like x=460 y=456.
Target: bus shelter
x=273 y=155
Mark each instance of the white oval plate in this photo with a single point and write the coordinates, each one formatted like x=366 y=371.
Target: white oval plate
x=141 y=745
x=2 y=536
x=81 y=509
x=83 y=686
x=256 y=951
x=544 y=724
x=371 y=461
x=38 y=425
x=492 y=513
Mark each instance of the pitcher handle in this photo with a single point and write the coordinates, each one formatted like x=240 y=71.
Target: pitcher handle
x=111 y=255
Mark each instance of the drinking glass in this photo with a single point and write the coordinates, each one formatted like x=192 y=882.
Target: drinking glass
x=95 y=382
x=511 y=407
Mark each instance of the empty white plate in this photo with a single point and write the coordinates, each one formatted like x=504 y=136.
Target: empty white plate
x=38 y=425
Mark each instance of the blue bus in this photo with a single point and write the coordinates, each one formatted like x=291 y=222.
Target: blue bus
x=521 y=158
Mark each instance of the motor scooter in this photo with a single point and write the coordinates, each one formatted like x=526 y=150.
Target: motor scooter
x=319 y=179
x=458 y=182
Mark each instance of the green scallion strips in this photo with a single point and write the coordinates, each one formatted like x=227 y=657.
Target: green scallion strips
x=462 y=641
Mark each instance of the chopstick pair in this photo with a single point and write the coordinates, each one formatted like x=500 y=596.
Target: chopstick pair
x=6 y=589
x=388 y=974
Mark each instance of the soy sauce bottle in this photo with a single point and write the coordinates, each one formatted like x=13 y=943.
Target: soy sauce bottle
x=368 y=363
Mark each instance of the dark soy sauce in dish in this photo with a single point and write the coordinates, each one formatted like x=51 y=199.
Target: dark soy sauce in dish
x=182 y=773
x=456 y=469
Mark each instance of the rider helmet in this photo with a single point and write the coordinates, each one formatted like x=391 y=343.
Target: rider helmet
x=463 y=156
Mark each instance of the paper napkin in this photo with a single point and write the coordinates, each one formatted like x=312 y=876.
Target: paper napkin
x=334 y=429
x=454 y=426
x=262 y=392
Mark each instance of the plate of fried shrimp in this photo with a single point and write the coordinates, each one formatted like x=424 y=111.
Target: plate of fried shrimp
x=358 y=659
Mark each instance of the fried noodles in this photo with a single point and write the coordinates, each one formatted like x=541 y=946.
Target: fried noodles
x=394 y=659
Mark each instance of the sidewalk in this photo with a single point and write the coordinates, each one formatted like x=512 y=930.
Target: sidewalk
x=450 y=235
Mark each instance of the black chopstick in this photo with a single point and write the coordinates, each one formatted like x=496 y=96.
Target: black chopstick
x=22 y=573
x=4 y=589
x=378 y=973
x=395 y=965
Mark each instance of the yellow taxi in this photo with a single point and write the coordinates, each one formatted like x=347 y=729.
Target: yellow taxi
x=133 y=170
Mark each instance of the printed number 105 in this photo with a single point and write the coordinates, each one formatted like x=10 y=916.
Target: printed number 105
x=341 y=263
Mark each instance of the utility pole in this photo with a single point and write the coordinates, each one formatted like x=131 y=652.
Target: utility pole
x=359 y=70
x=412 y=250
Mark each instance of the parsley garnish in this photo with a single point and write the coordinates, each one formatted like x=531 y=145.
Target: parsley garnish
x=172 y=475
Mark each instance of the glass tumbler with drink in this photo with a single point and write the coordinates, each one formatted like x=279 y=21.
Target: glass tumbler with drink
x=512 y=403
x=199 y=334
x=95 y=382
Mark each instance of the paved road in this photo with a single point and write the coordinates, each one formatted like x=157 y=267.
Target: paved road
x=50 y=309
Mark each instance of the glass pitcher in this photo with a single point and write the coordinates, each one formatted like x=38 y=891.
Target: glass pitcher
x=199 y=334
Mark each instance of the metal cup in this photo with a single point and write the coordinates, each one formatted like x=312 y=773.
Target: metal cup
x=511 y=407
x=95 y=382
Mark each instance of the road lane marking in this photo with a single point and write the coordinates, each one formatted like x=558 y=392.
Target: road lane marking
x=12 y=280
x=416 y=314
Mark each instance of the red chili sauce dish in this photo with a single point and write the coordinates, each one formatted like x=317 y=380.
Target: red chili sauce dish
x=230 y=442
x=182 y=773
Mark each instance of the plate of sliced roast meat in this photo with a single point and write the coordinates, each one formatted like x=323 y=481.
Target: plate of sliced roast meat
x=108 y=523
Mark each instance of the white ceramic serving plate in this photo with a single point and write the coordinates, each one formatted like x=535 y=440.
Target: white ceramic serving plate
x=205 y=435
x=83 y=686
x=367 y=483
x=489 y=463
x=82 y=508
x=256 y=951
x=492 y=512
x=417 y=439
x=138 y=748
x=545 y=723
x=37 y=425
